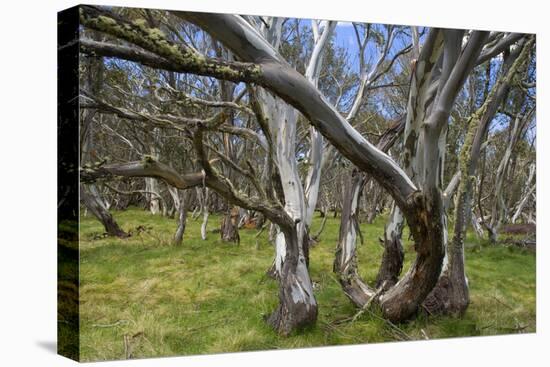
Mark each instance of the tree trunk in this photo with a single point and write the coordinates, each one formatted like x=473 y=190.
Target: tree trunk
x=297 y=306
x=230 y=226
x=182 y=218
x=393 y=256
x=527 y=192
x=345 y=261
x=451 y=293
x=152 y=195
x=498 y=212
x=205 y=214
x=94 y=205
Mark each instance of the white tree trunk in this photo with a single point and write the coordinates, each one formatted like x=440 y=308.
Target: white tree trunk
x=152 y=195
x=204 y=209
x=528 y=190
x=300 y=202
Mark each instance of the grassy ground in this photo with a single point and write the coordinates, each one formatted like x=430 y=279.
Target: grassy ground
x=144 y=297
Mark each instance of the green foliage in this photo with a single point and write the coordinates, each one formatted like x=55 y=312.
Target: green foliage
x=144 y=297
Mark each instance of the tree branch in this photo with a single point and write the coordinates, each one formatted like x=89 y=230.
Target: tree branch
x=148 y=167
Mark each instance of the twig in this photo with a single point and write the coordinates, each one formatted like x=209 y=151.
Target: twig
x=502 y=303
x=119 y=322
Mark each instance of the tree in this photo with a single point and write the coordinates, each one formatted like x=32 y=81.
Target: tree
x=445 y=60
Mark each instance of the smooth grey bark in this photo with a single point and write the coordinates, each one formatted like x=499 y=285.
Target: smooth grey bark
x=313 y=177
x=345 y=261
x=151 y=184
x=152 y=195
x=181 y=205
x=419 y=103
x=393 y=255
x=264 y=67
x=297 y=305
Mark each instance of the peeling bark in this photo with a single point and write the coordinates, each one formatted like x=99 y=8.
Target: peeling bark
x=297 y=305
x=393 y=256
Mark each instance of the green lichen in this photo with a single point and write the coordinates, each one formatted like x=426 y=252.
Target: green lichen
x=154 y=40
x=106 y=21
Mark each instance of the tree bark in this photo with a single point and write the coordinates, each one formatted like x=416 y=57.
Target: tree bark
x=297 y=305
x=451 y=294
x=152 y=195
x=345 y=261
x=393 y=255
x=182 y=218
x=94 y=205
x=230 y=226
x=205 y=213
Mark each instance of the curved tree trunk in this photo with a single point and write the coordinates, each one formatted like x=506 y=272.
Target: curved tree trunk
x=345 y=261
x=94 y=205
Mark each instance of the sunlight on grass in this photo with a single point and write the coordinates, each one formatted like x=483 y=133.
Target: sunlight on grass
x=144 y=297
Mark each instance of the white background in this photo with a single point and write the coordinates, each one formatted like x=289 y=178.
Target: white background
x=28 y=182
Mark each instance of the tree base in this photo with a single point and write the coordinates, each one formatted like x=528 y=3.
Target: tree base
x=289 y=317
x=446 y=298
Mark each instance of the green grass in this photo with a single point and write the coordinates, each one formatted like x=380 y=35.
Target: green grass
x=144 y=297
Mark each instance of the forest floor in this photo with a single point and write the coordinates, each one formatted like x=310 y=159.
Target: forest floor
x=144 y=297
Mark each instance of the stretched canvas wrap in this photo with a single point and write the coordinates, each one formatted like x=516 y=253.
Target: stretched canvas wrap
x=240 y=182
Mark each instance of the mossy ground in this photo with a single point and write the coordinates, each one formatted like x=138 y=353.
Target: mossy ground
x=144 y=297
